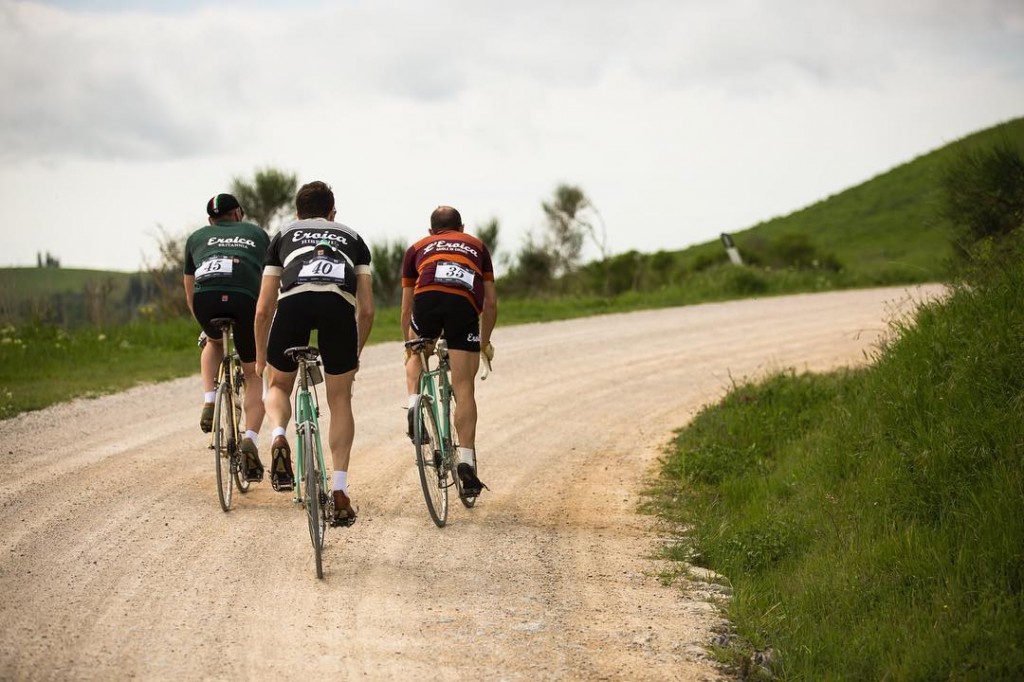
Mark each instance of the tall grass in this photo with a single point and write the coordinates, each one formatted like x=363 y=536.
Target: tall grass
x=872 y=522
x=41 y=364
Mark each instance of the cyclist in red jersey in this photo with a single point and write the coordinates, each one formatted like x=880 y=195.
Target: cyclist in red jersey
x=448 y=288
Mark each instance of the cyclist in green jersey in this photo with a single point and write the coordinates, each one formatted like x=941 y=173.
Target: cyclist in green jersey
x=222 y=275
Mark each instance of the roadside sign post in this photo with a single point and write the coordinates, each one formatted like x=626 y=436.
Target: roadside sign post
x=730 y=248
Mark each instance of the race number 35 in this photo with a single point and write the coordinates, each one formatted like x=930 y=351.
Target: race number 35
x=454 y=274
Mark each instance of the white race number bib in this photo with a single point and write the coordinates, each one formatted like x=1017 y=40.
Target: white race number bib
x=454 y=274
x=218 y=266
x=322 y=271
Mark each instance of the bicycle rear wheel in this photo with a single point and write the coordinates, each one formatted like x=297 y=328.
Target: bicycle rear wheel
x=313 y=499
x=224 y=444
x=430 y=461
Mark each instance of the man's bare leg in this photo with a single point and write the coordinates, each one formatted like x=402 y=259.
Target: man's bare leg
x=464 y=365
x=279 y=411
x=340 y=438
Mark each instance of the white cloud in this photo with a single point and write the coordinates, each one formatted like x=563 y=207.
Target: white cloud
x=679 y=119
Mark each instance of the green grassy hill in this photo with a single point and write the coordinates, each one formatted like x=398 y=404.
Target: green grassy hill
x=888 y=230
x=889 y=226
x=24 y=282
x=66 y=297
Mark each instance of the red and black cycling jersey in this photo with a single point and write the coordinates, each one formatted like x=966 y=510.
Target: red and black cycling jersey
x=453 y=262
x=316 y=254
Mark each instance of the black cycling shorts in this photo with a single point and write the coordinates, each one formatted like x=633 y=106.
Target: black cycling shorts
x=210 y=304
x=437 y=312
x=333 y=317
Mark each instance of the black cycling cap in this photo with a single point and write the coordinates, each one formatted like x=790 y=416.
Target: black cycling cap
x=221 y=204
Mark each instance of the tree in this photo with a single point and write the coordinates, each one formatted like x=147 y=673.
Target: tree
x=533 y=271
x=267 y=197
x=488 y=234
x=984 y=194
x=50 y=261
x=571 y=217
x=387 y=272
x=165 y=275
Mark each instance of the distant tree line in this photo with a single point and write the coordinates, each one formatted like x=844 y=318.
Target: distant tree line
x=982 y=197
x=47 y=260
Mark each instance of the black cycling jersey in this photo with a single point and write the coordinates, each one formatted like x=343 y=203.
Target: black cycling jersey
x=316 y=254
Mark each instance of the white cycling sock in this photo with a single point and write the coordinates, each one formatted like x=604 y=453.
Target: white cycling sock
x=252 y=435
x=340 y=481
x=468 y=456
x=209 y=396
x=278 y=431
x=412 y=399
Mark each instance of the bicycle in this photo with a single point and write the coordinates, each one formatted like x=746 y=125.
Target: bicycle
x=432 y=431
x=310 y=473
x=226 y=436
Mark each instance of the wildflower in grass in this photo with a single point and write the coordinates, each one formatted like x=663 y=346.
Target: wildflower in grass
x=101 y=337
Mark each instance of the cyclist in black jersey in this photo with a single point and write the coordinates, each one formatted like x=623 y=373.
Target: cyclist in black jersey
x=222 y=279
x=317 y=276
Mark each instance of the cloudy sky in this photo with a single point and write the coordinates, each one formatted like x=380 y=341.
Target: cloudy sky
x=680 y=119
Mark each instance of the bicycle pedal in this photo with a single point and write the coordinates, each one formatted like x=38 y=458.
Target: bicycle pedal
x=282 y=486
x=342 y=523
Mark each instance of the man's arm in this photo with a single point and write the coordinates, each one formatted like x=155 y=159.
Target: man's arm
x=364 y=308
x=406 y=316
x=265 y=307
x=489 y=314
x=189 y=282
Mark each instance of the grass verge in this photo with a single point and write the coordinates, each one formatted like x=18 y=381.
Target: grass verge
x=41 y=365
x=871 y=522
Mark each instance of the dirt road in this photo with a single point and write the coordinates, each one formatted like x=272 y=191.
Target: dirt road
x=116 y=561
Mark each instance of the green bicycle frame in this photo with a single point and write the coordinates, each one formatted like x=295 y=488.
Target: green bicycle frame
x=436 y=386
x=306 y=413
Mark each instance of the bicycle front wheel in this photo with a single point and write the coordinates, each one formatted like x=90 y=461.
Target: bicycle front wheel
x=430 y=461
x=224 y=444
x=313 y=498
x=238 y=462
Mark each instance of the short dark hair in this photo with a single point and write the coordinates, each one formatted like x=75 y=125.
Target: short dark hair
x=314 y=200
x=445 y=218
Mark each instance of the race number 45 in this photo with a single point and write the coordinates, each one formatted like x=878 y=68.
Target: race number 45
x=214 y=267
